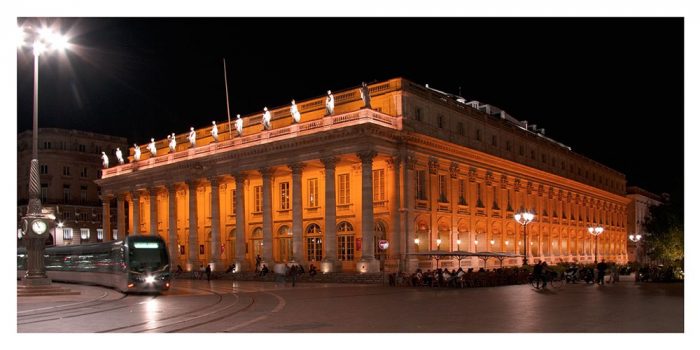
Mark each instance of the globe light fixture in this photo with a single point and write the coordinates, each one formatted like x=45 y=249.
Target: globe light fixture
x=524 y=218
x=596 y=231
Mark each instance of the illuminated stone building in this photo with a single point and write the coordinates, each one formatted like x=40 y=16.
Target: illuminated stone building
x=637 y=213
x=418 y=166
x=69 y=164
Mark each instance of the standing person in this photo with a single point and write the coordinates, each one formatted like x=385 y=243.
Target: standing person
x=293 y=271
x=208 y=272
x=601 y=267
x=258 y=260
x=614 y=274
x=537 y=274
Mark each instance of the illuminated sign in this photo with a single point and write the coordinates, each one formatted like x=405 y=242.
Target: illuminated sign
x=146 y=245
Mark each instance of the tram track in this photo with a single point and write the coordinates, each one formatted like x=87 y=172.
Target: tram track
x=60 y=314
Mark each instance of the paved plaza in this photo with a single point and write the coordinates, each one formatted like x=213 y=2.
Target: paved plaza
x=231 y=306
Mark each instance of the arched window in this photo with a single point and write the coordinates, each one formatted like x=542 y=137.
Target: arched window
x=379 y=234
x=283 y=230
x=313 y=229
x=256 y=241
x=284 y=244
x=346 y=241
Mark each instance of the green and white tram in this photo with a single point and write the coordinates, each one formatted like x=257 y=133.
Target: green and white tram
x=135 y=264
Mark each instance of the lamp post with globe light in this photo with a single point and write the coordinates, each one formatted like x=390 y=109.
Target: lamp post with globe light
x=523 y=218
x=596 y=231
x=36 y=223
x=636 y=238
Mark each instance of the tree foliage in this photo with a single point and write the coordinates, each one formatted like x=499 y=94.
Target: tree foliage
x=665 y=233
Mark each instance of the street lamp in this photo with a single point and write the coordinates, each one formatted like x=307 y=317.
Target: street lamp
x=596 y=231
x=636 y=238
x=43 y=40
x=438 y=243
x=523 y=218
x=459 y=241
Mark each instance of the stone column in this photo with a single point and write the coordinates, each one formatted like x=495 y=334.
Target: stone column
x=367 y=263
x=193 y=242
x=215 y=224
x=106 y=224
x=267 y=215
x=409 y=186
x=297 y=210
x=241 y=262
x=330 y=261
x=153 y=216
x=395 y=240
x=135 y=218
x=172 y=227
x=121 y=218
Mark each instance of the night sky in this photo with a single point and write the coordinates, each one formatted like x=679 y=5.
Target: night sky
x=610 y=88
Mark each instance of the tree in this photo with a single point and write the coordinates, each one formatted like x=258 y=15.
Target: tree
x=664 y=226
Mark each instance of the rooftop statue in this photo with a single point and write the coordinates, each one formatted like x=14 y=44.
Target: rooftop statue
x=214 y=131
x=172 y=143
x=239 y=124
x=118 y=153
x=295 y=112
x=137 y=153
x=330 y=103
x=105 y=161
x=152 y=147
x=364 y=93
x=192 y=137
x=266 y=118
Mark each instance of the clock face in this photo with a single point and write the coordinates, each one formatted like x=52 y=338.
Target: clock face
x=38 y=226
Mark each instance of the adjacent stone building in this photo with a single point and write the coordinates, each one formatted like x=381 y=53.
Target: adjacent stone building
x=421 y=169
x=637 y=213
x=69 y=164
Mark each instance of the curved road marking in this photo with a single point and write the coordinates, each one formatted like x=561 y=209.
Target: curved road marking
x=281 y=303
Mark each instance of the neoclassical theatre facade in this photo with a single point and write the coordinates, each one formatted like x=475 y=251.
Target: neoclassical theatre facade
x=420 y=169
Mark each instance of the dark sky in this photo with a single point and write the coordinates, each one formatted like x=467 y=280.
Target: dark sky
x=611 y=88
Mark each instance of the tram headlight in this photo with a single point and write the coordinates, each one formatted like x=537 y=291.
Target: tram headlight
x=150 y=279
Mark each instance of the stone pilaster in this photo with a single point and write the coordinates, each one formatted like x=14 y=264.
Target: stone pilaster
x=297 y=211
x=395 y=236
x=241 y=262
x=153 y=216
x=106 y=224
x=409 y=169
x=172 y=227
x=367 y=263
x=136 y=205
x=330 y=261
x=121 y=217
x=267 y=215
x=192 y=240
x=215 y=224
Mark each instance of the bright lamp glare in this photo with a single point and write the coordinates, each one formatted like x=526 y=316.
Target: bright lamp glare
x=39 y=48
x=45 y=33
x=59 y=42
x=150 y=279
x=21 y=36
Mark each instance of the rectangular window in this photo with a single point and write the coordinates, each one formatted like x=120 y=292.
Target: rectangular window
x=44 y=192
x=81 y=148
x=346 y=248
x=84 y=172
x=441 y=121
x=84 y=234
x=494 y=141
x=508 y=146
x=478 y=135
x=314 y=249
x=100 y=235
x=83 y=194
x=460 y=129
x=44 y=169
x=462 y=192
x=284 y=196
x=544 y=158
x=66 y=171
x=344 y=189
x=313 y=193
x=378 y=185
x=47 y=145
x=521 y=150
x=67 y=234
x=66 y=193
x=419 y=115
x=532 y=154
x=421 y=184
x=442 y=184
x=257 y=205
